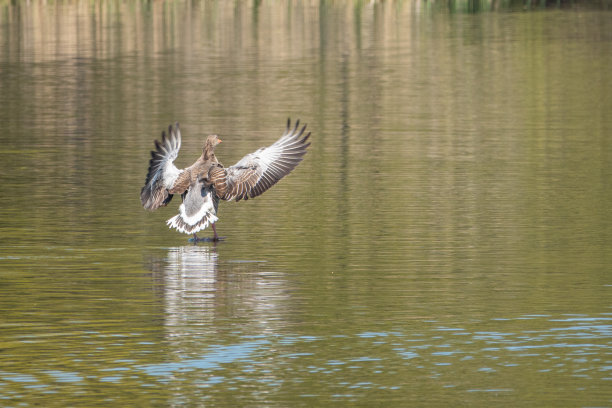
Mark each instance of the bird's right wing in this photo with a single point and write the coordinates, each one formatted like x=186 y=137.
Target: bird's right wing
x=258 y=171
x=162 y=174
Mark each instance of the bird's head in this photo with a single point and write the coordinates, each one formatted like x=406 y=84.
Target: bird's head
x=211 y=142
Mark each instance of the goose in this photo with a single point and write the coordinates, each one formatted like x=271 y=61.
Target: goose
x=207 y=181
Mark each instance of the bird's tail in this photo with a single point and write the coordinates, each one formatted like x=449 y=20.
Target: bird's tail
x=198 y=210
x=183 y=224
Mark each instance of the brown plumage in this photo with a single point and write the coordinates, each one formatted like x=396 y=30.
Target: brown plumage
x=206 y=181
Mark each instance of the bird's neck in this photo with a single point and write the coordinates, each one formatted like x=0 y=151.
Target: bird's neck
x=209 y=155
x=208 y=151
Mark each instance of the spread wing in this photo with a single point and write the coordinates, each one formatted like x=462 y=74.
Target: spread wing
x=257 y=172
x=162 y=174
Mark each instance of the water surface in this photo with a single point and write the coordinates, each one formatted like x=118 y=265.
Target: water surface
x=446 y=241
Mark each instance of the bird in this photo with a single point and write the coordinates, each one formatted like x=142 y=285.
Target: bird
x=203 y=184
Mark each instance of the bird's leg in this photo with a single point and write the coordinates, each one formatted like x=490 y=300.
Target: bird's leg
x=216 y=237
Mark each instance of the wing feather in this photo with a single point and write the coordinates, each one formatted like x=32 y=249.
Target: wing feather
x=162 y=173
x=258 y=171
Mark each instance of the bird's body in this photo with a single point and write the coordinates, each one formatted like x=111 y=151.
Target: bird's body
x=207 y=181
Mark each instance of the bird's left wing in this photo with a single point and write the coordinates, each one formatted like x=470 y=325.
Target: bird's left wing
x=258 y=171
x=162 y=174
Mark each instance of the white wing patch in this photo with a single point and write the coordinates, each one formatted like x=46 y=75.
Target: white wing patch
x=171 y=173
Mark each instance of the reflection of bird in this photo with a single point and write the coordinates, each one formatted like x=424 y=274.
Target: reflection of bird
x=202 y=184
x=189 y=288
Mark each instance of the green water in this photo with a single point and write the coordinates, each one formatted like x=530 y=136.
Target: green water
x=446 y=241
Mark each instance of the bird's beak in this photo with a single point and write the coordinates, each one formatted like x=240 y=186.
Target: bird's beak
x=219 y=140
